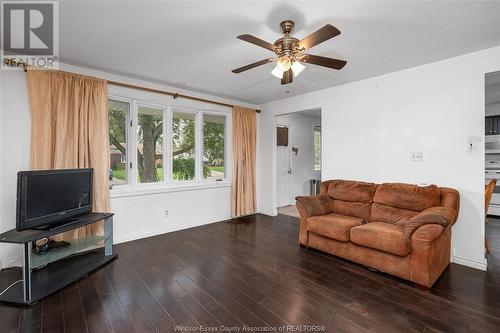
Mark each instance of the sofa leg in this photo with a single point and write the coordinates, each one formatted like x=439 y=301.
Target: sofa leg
x=421 y=287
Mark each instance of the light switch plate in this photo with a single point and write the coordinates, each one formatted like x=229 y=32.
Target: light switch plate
x=416 y=156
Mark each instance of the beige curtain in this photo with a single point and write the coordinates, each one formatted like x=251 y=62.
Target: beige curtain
x=244 y=150
x=69 y=129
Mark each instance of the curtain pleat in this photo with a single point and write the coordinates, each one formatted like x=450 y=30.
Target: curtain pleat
x=244 y=152
x=69 y=129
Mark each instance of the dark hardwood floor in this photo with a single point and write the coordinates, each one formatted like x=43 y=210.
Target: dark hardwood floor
x=254 y=273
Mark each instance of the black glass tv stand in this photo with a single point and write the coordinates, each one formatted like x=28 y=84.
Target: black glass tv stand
x=43 y=275
x=55 y=226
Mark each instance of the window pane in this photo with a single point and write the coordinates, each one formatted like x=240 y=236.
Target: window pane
x=317 y=148
x=118 y=112
x=183 y=145
x=213 y=147
x=149 y=144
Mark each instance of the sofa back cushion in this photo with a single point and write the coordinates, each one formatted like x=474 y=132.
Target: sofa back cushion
x=349 y=190
x=351 y=198
x=354 y=209
x=389 y=214
x=407 y=196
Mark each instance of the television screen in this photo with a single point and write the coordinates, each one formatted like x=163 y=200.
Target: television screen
x=52 y=196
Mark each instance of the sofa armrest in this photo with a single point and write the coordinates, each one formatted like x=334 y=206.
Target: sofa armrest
x=313 y=205
x=440 y=215
x=427 y=233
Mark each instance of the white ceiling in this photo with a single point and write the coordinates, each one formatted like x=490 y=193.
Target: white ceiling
x=193 y=45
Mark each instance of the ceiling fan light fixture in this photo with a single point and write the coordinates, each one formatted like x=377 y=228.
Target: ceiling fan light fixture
x=284 y=63
x=277 y=72
x=297 y=68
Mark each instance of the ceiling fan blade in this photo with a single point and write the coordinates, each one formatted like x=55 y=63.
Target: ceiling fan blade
x=324 y=61
x=287 y=77
x=255 y=64
x=319 y=36
x=257 y=41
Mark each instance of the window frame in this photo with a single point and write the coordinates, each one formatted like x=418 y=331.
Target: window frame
x=170 y=105
x=226 y=150
x=316 y=129
x=128 y=119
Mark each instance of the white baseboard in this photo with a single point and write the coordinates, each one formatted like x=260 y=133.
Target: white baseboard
x=168 y=228
x=470 y=263
x=268 y=212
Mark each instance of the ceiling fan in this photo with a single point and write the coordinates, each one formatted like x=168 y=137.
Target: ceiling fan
x=289 y=52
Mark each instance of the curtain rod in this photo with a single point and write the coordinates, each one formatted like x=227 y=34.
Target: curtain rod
x=169 y=93
x=13 y=63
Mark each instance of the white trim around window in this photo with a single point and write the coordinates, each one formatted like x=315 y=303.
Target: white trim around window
x=169 y=105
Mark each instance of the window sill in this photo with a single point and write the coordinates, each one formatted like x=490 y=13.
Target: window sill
x=121 y=191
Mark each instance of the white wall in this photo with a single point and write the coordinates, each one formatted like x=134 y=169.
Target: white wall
x=138 y=214
x=14 y=152
x=301 y=129
x=370 y=127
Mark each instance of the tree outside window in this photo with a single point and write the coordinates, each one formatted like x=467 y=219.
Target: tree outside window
x=213 y=146
x=118 y=113
x=149 y=144
x=183 y=143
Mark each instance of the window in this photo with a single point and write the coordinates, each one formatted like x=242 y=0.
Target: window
x=118 y=119
x=153 y=143
x=149 y=144
x=183 y=146
x=213 y=146
x=317 y=148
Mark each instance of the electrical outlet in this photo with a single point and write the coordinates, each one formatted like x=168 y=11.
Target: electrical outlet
x=416 y=156
x=166 y=213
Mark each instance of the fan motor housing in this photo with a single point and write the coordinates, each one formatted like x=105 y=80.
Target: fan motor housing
x=286 y=45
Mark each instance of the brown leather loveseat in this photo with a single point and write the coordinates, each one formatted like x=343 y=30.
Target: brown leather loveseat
x=400 y=229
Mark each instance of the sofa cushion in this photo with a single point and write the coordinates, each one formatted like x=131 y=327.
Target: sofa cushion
x=355 y=209
x=381 y=236
x=333 y=226
x=348 y=190
x=383 y=213
x=407 y=196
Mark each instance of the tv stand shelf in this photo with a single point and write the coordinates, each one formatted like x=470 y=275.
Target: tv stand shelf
x=45 y=274
x=20 y=237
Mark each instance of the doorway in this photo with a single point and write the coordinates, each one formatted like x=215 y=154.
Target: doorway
x=492 y=170
x=298 y=157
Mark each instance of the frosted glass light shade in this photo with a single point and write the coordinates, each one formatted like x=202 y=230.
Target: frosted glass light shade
x=277 y=72
x=297 y=68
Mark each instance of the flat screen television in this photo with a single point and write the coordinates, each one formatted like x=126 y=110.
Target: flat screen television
x=48 y=197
